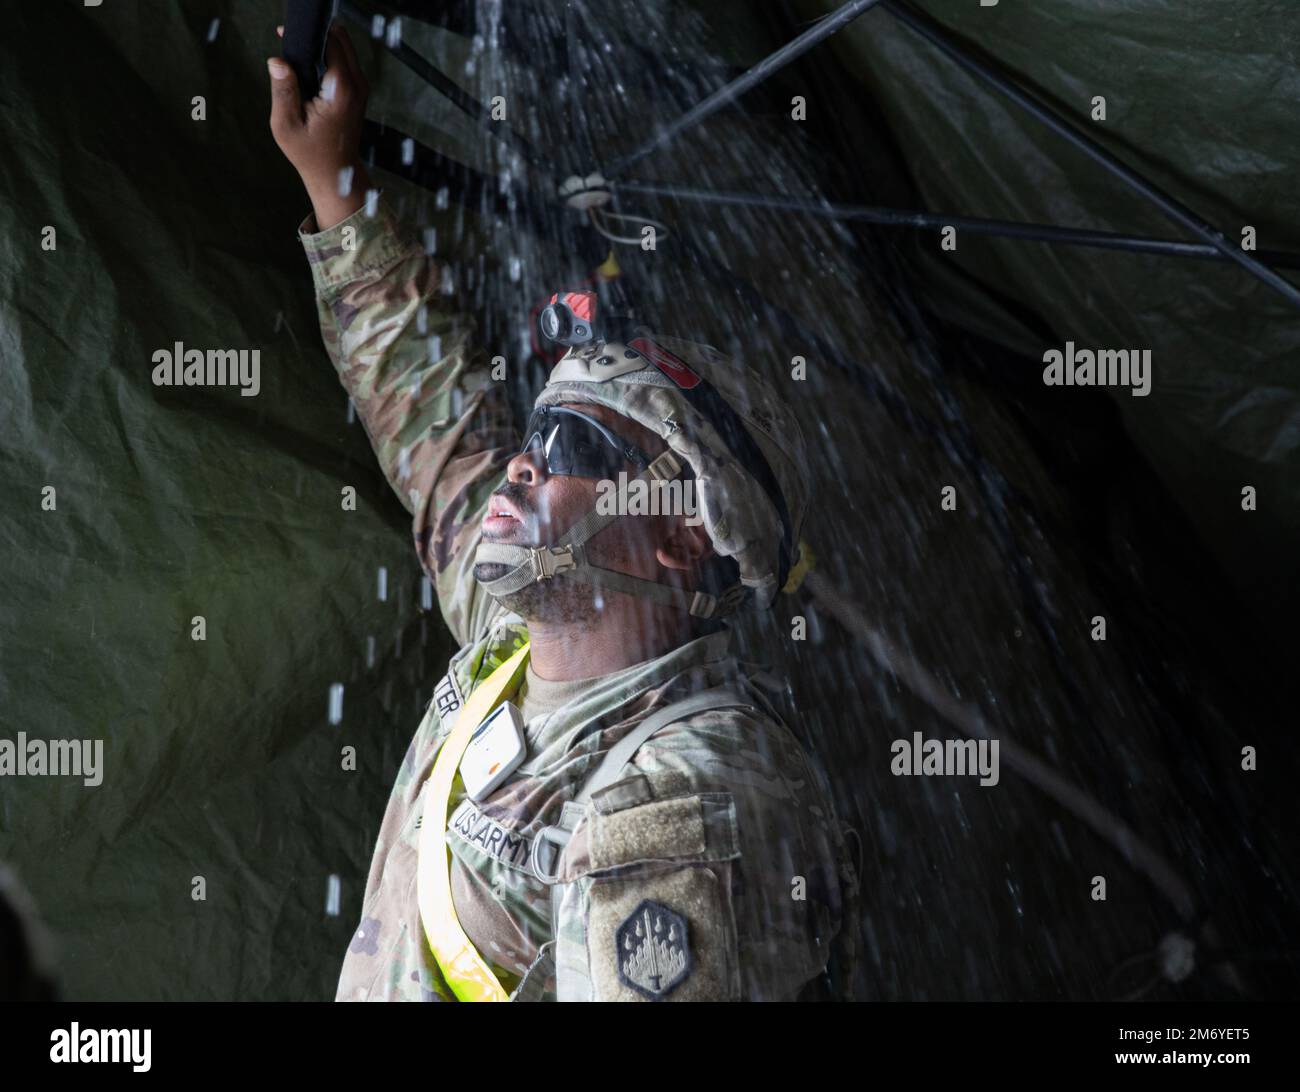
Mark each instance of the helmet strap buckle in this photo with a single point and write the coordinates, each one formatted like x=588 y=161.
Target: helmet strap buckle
x=664 y=468
x=547 y=561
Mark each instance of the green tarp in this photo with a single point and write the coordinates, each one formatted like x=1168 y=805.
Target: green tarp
x=177 y=503
x=1200 y=97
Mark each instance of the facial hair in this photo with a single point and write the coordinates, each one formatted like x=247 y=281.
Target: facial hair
x=557 y=601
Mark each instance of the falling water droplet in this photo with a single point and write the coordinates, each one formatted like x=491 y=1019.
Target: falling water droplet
x=336 y=703
x=383 y=584
x=333 y=896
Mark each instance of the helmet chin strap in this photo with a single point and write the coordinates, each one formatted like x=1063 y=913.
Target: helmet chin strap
x=568 y=557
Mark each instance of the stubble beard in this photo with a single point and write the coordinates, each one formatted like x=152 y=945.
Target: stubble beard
x=557 y=601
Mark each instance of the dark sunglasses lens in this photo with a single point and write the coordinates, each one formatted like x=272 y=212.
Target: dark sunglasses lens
x=571 y=445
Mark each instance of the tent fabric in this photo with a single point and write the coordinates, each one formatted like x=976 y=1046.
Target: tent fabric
x=1198 y=97
x=179 y=502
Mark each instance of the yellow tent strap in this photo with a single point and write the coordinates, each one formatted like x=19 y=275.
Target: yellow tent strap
x=468 y=975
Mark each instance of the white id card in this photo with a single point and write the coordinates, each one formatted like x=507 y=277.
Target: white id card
x=494 y=752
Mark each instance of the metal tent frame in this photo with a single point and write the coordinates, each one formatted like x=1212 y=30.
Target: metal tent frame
x=1213 y=244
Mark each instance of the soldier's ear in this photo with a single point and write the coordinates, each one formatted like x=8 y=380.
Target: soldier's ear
x=685 y=546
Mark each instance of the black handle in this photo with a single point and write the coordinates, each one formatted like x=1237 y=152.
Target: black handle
x=306 y=25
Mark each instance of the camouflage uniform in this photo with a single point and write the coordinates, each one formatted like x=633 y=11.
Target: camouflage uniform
x=719 y=818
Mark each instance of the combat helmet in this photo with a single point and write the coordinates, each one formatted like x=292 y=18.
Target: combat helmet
x=734 y=432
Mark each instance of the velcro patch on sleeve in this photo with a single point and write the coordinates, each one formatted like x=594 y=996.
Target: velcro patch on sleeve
x=661 y=830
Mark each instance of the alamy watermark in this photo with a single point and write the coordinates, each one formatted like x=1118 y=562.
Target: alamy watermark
x=648 y=497
x=946 y=758
x=132 y=1046
x=25 y=757
x=1073 y=367
x=182 y=367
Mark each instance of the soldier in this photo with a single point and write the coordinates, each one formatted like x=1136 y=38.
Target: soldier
x=600 y=803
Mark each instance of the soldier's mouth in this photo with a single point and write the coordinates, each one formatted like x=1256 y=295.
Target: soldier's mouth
x=502 y=519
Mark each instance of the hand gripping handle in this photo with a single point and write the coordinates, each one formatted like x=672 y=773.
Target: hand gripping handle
x=306 y=25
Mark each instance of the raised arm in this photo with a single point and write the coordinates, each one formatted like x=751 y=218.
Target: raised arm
x=404 y=351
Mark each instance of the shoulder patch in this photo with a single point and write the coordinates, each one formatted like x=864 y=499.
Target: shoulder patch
x=658 y=830
x=652 y=950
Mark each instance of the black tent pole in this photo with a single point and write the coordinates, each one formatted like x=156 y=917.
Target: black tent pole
x=796 y=47
x=1011 y=229
x=1173 y=208
x=443 y=84
x=1215 y=247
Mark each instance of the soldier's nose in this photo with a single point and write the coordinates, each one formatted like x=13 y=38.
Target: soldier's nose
x=527 y=468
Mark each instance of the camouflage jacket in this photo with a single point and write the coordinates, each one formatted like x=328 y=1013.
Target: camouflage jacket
x=720 y=821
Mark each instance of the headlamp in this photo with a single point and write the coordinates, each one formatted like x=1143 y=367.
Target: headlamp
x=569 y=319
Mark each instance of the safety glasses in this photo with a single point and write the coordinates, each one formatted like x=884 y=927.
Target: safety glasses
x=573 y=443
